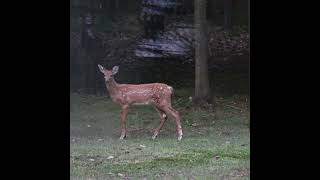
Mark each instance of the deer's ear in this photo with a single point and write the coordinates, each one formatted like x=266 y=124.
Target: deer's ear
x=101 y=68
x=115 y=69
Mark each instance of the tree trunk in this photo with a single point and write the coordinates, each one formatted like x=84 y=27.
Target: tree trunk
x=227 y=14
x=117 y=5
x=90 y=53
x=212 y=10
x=113 y=5
x=90 y=75
x=202 y=89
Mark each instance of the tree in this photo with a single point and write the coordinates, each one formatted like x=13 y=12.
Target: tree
x=202 y=89
x=90 y=48
x=227 y=14
x=212 y=10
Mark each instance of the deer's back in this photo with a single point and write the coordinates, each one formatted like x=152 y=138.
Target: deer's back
x=145 y=93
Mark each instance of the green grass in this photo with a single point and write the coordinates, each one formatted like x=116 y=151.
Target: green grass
x=216 y=145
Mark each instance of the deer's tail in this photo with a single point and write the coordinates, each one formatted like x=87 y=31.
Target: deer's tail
x=172 y=92
x=171 y=89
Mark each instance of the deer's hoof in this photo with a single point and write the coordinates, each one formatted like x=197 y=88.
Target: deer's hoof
x=179 y=138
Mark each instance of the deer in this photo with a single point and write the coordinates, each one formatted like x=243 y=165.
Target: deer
x=157 y=95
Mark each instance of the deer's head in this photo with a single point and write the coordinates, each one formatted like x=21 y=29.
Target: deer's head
x=108 y=74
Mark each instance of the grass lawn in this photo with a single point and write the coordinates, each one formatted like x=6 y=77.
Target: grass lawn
x=215 y=145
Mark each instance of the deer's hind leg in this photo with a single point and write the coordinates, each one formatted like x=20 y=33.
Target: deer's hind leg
x=176 y=115
x=166 y=107
x=163 y=118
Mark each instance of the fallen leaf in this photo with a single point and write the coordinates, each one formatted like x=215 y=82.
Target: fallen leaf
x=143 y=146
x=121 y=175
x=110 y=157
x=194 y=124
x=91 y=160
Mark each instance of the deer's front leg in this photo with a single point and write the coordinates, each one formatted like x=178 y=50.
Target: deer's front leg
x=123 y=116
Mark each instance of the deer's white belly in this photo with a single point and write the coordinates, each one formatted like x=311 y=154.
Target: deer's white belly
x=141 y=103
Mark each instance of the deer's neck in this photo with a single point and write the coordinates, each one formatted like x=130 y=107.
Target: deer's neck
x=112 y=87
